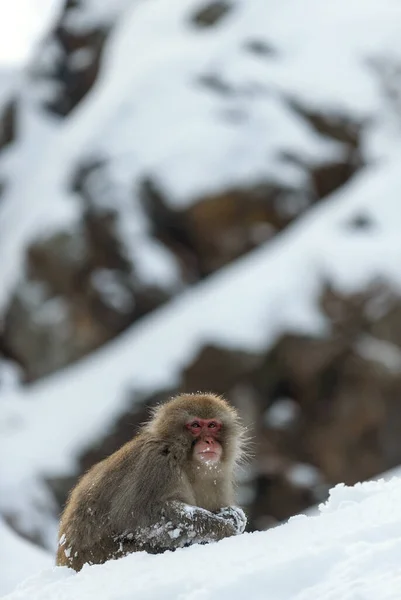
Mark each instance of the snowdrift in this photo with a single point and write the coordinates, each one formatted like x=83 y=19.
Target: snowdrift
x=19 y=558
x=351 y=550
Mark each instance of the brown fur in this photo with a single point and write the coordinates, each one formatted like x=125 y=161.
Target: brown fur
x=116 y=505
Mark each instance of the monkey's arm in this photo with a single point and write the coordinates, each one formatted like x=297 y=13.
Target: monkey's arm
x=182 y=525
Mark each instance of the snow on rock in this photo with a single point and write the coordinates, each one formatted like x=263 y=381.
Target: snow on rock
x=9 y=81
x=282 y=413
x=351 y=550
x=19 y=559
x=201 y=109
x=303 y=475
x=245 y=134
x=22 y=23
x=95 y=13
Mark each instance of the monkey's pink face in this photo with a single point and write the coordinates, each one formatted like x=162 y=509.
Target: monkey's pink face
x=205 y=432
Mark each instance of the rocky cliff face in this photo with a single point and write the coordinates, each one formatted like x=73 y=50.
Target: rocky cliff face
x=167 y=180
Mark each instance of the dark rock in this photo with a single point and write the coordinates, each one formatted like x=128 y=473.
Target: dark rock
x=218 y=370
x=333 y=125
x=8 y=117
x=216 y=230
x=79 y=292
x=105 y=246
x=274 y=495
x=46 y=332
x=330 y=177
x=61 y=260
x=216 y=85
x=169 y=226
x=261 y=48
x=211 y=13
x=76 y=64
x=361 y=222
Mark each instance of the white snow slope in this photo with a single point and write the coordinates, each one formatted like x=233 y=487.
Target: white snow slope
x=22 y=23
x=351 y=551
x=18 y=558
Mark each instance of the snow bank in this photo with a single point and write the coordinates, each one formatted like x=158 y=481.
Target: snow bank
x=351 y=550
x=19 y=559
x=22 y=23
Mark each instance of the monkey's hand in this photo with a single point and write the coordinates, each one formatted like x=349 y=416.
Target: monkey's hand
x=182 y=525
x=236 y=515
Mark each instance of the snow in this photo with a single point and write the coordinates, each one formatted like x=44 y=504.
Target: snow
x=382 y=352
x=10 y=374
x=92 y=14
x=160 y=116
x=352 y=549
x=22 y=23
x=303 y=475
x=19 y=559
x=81 y=59
x=282 y=413
x=9 y=81
x=112 y=291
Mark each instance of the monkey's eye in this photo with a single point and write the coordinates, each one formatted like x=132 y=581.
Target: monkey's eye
x=195 y=425
x=212 y=425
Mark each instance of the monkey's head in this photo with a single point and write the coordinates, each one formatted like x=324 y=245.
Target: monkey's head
x=204 y=424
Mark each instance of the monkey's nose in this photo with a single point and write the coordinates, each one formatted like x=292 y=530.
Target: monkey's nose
x=209 y=440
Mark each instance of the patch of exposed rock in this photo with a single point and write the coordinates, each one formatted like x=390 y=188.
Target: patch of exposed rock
x=215 y=230
x=79 y=291
x=68 y=61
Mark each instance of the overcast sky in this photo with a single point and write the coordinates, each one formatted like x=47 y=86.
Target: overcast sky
x=22 y=22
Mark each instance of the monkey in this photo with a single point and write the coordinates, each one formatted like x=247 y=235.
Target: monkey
x=171 y=486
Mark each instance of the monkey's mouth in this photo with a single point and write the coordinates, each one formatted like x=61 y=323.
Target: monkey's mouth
x=208 y=451
x=208 y=456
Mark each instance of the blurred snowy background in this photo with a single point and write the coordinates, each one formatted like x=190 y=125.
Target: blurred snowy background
x=197 y=195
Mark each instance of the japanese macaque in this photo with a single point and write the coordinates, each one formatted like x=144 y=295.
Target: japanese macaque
x=171 y=486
